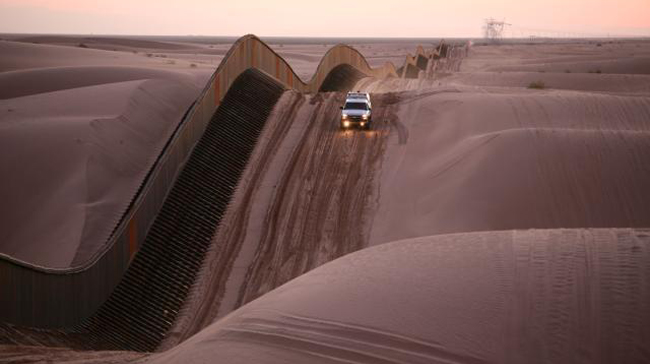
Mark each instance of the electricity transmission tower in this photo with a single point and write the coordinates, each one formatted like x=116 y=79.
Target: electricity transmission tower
x=493 y=29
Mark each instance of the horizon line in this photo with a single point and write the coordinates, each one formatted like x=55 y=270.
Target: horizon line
x=609 y=36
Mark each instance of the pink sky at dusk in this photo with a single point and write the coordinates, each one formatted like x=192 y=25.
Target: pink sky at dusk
x=407 y=18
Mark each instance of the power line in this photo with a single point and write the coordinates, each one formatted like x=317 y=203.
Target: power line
x=493 y=29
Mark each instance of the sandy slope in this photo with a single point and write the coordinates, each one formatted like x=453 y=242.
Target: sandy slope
x=464 y=151
x=39 y=354
x=451 y=154
x=606 y=83
x=539 y=296
x=479 y=151
x=627 y=57
x=536 y=296
x=469 y=151
x=21 y=83
x=618 y=65
x=305 y=199
x=514 y=160
x=50 y=83
x=26 y=56
x=73 y=159
x=79 y=129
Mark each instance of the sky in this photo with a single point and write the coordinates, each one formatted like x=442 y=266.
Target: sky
x=327 y=18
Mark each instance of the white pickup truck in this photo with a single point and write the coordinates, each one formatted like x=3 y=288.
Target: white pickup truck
x=357 y=111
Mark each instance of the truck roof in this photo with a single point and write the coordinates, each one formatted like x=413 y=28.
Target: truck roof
x=358 y=95
x=360 y=100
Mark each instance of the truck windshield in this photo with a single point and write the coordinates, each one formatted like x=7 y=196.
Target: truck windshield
x=356 y=106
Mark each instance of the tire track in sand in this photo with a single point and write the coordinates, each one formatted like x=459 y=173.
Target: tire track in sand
x=207 y=295
x=324 y=202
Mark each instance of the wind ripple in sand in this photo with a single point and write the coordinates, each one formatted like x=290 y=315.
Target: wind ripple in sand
x=534 y=296
x=319 y=208
x=338 y=341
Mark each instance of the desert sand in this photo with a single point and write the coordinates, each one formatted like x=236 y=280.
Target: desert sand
x=536 y=296
x=485 y=152
x=95 y=98
x=79 y=130
x=469 y=150
x=479 y=221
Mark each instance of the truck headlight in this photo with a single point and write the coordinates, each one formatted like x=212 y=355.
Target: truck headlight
x=344 y=116
x=346 y=124
x=365 y=117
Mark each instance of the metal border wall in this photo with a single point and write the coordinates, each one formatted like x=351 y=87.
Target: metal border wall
x=38 y=296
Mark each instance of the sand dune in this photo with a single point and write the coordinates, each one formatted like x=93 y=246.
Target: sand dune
x=539 y=296
x=21 y=56
x=619 y=57
x=477 y=150
x=462 y=152
x=636 y=65
x=26 y=56
x=21 y=83
x=79 y=129
x=73 y=159
x=505 y=160
x=610 y=83
x=112 y=43
x=463 y=164
x=39 y=354
x=467 y=153
x=84 y=85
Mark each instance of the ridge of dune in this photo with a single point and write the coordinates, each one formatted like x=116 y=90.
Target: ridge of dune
x=17 y=56
x=546 y=159
x=556 y=57
x=21 y=83
x=470 y=162
x=107 y=115
x=20 y=56
x=496 y=223
x=535 y=296
x=585 y=82
x=447 y=157
x=632 y=65
x=105 y=136
x=129 y=42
